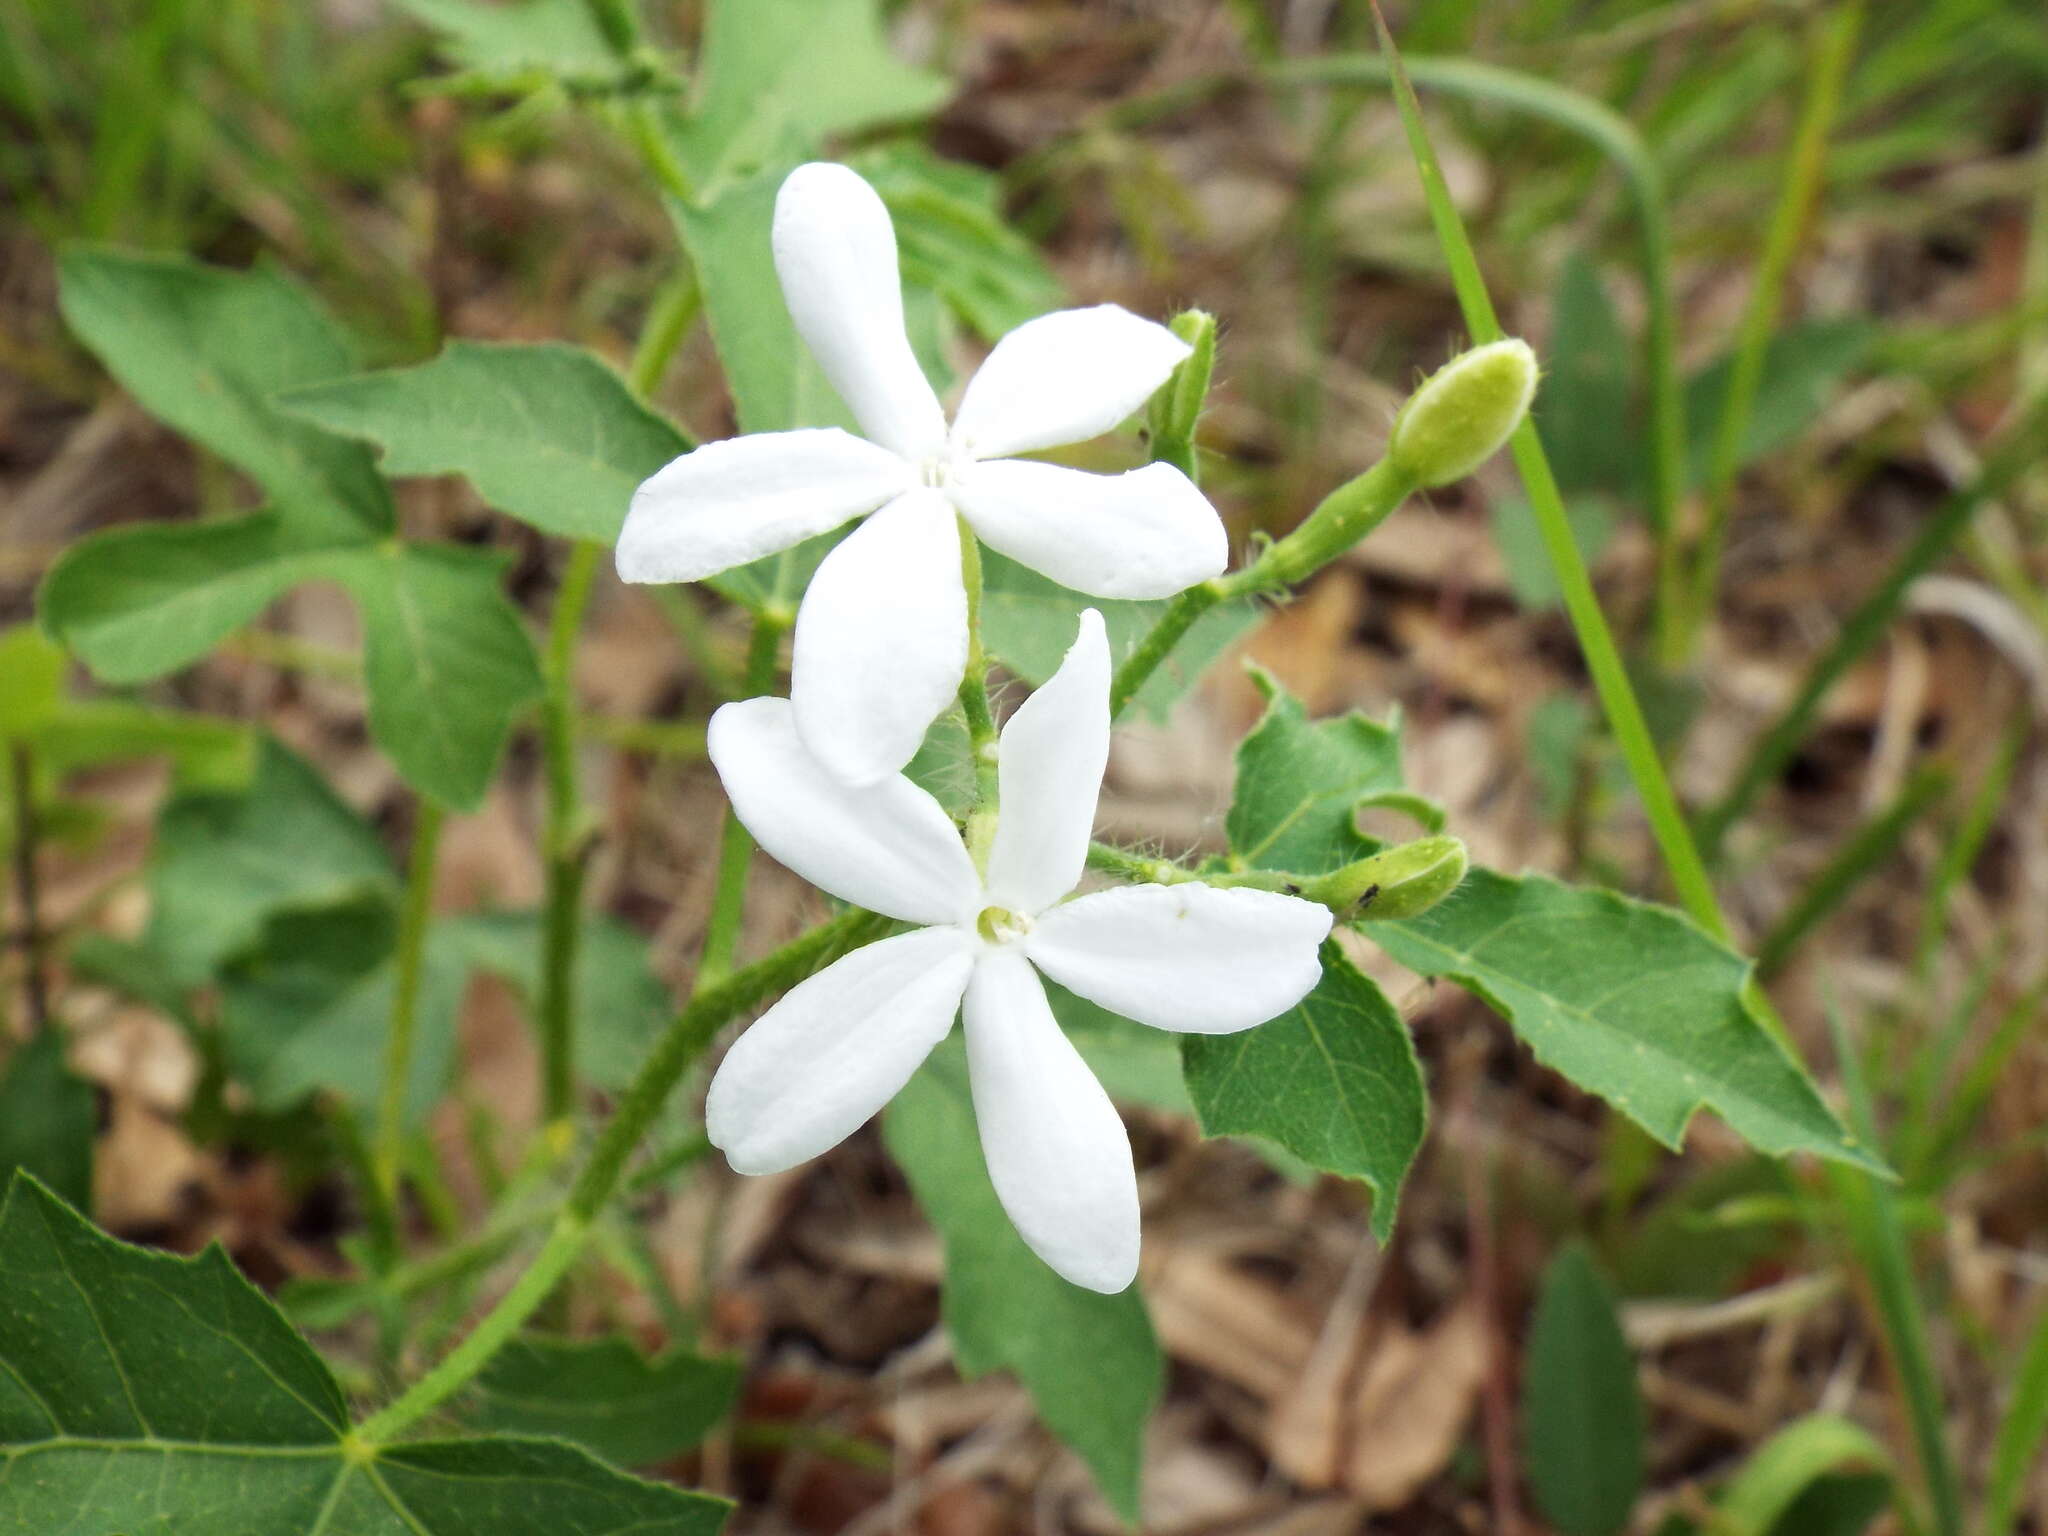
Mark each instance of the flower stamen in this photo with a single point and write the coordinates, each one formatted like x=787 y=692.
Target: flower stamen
x=999 y=925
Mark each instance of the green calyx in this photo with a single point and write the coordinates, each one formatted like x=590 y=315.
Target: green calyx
x=1464 y=412
x=1399 y=882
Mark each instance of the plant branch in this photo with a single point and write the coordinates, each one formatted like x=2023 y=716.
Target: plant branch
x=22 y=770
x=680 y=1045
x=388 y=1155
x=735 y=843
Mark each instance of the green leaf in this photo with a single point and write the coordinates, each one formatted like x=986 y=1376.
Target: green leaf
x=448 y=665
x=137 y=602
x=778 y=80
x=46 y=1117
x=1090 y=1362
x=1334 y=1081
x=1300 y=784
x=223 y=862
x=1631 y=1001
x=1520 y=542
x=1837 y=1504
x=1029 y=621
x=207 y=350
x=603 y=1395
x=546 y=433
x=305 y=1009
x=621 y=1004
x=1582 y=1418
x=558 y=36
x=203 y=750
x=1803 y=366
x=1582 y=411
x=145 y=1393
x=1760 y=1495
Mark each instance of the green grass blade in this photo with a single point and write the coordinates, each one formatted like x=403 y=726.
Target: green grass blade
x=1834 y=45
x=2018 y=449
x=2021 y=1435
x=1872 y=844
x=1596 y=640
x=1877 y=1240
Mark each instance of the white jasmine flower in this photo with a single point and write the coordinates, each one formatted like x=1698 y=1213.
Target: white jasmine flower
x=839 y=1045
x=881 y=638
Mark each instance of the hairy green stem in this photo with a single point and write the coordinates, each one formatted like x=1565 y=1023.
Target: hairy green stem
x=735 y=843
x=388 y=1154
x=565 y=846
x=1833 y=46
x=678 y=1048
x=1339 y=521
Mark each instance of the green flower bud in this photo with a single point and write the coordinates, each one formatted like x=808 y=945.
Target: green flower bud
x=1463 y=413
x=1177 y=405
x=1398 y=882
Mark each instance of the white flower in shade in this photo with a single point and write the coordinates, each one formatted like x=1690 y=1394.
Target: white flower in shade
x=881 y=638
x=837 y=1048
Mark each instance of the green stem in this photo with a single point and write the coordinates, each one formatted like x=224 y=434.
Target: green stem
x=982 y=742
x=2018 y=450
x=22 y=771
x=678 y=1048
x=1339 y=521
x=564 y=845
x=675 y=310
x=1833 y=47
x=1596 y=642
x=735 y=843
x=1141 y=870
x=388 y=1155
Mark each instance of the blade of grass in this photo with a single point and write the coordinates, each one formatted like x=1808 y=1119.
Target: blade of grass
x=2020 y=1435
x=1960 y=854
x=1582 y=604
x=1833 y=45
x=1871 y=845
x=1616 y=138
x=2018 y=448
x=1877 y=1240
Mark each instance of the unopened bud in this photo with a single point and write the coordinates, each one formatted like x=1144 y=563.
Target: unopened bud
x=1176 y=407
x=1463 y=413
x=1399 y=882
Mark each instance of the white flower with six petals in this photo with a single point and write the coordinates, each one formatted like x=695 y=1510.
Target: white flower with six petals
x=881 y=637
x=837 y=1047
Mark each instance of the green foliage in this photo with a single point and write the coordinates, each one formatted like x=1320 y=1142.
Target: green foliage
x=1334 y=1080
x=145 y=1392
x=517 y=39
x=1803 y=366
x=546 y=433
x=449 y=665
x=1760 y=1497
x=1630 y=1001
x=1582 y=1418
x=603 y=1395
x=46 y=1119
x=1090 y=1362
x=776 y=81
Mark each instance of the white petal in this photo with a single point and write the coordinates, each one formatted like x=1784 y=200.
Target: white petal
x=1054 y=750
x=726 y=503
x=1056 y=1151
x=1148 y=533
x=820 y=1062
x=1185 y=957
x=889 y=847
x=835 y=251
x=881 y=639
x=1064 y=378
